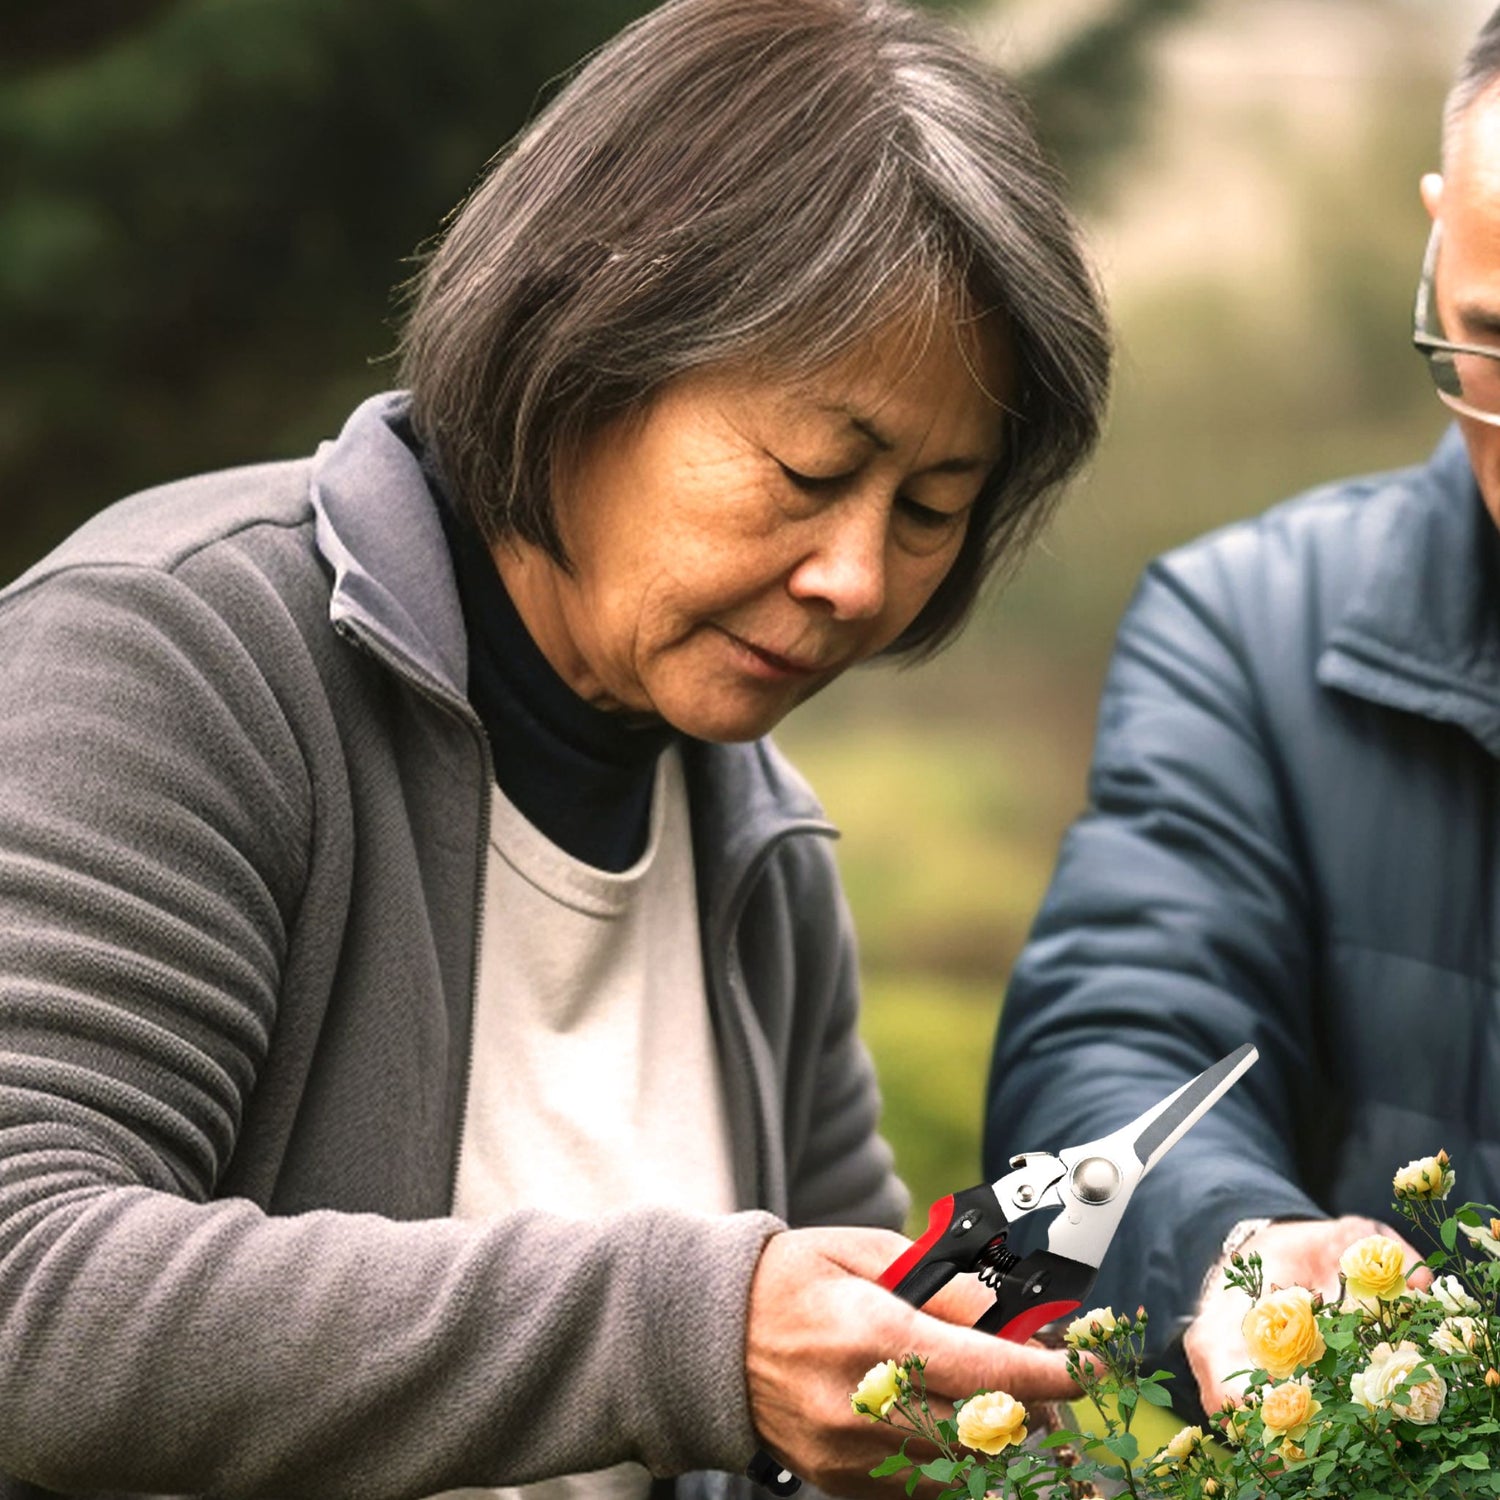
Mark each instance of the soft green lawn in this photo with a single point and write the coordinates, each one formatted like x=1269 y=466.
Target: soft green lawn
x=949 y=828
x=931 y=1042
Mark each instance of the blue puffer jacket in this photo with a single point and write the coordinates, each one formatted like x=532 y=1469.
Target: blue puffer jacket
x=1293 y=838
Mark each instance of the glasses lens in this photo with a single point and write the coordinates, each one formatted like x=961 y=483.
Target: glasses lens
x=1443 y=369
x=1469 y=381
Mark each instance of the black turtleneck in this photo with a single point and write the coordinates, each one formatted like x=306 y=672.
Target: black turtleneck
x=580 y=775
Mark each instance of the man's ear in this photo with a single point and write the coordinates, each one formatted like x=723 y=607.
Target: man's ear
x=1432 y=192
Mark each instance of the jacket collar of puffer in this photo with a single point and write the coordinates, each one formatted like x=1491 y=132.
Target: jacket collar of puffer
x=1421 y=630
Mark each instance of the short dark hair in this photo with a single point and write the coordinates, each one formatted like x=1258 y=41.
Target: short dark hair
x=1478 y=71
x=764 y=183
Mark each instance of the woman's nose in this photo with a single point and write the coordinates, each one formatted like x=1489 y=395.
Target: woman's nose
x=845 y=567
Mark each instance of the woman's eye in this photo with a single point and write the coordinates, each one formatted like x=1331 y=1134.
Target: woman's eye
x=927 y=517
x=814 y=482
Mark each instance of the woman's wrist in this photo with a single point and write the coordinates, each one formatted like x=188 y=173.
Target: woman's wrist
x=1240 y=1233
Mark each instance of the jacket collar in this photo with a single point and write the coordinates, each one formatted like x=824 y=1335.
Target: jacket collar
x=379 y=532
x=394 y=590
x=1421 y=629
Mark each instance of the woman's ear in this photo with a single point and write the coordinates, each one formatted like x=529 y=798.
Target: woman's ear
x=1432 y=192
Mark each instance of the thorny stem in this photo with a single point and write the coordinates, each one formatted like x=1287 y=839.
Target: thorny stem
x=1088 y=1378
x=1406 y=1478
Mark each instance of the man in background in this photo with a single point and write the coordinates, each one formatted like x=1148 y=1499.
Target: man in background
x=1293 y=838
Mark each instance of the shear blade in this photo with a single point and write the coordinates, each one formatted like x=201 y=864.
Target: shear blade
x=1180 y=1111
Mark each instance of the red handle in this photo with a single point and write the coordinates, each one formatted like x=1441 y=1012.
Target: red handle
x=1025 y=1324
x=939 y=1216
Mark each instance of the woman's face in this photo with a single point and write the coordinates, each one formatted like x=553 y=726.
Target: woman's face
x=743 y=541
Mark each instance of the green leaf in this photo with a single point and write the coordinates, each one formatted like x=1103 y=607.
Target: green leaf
x=941 y=1469
x=1123 y=1445
x=1474 y=1461
x=892 y=1465
x=1449 y=1233
x=1155 y=1394
x=979 y=1482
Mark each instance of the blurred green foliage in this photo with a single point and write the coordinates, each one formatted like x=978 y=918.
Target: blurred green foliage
x=202 y=221
x=205 y=206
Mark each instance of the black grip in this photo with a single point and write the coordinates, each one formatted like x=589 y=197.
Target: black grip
x=772 y=1475
x=1041 y=1278
x=975 y=1223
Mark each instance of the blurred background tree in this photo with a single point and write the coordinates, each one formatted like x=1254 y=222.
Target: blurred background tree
x=206 y=205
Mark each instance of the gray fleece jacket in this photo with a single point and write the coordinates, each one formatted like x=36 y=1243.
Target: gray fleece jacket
x=243 y=804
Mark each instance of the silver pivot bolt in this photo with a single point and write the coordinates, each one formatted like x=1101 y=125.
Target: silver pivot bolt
x=1096 y=1179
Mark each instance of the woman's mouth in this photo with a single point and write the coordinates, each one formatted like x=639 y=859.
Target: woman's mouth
x=772 y=666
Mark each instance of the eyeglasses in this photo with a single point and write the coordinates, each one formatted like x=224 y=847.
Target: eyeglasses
x=1467 y=376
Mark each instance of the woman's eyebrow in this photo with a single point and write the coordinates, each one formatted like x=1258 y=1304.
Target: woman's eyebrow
x=959 y=464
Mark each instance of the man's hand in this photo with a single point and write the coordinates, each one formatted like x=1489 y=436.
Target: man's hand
x=818 y=1321
x=1300 y=1253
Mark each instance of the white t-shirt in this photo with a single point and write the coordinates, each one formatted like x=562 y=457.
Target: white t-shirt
x=595 y=1077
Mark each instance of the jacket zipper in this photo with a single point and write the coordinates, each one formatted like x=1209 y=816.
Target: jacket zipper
x=450 y=703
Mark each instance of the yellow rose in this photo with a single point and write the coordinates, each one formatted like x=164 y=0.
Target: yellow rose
x=879 y=1391
x=1091 y=1329
x=1281 y=1332
x=1292 y=1452
x=991 y=1422
x=1460 y=1335
x=1427 y=1178
x=1377 y=1385
x=1374 y=1269
x=1453 y=1295
x=1287 y=1409
x=1236 y=1425
x=1488 y=1239
x=1185 y=1443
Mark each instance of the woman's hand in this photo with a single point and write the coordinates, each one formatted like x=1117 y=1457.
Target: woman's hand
x=818 y=1321
x=1296 y=1253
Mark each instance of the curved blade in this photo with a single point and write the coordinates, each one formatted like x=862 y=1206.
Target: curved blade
x=1164 y=1126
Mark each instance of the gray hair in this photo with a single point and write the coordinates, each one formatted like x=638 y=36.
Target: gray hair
x=1478 y=71
x=756 y=183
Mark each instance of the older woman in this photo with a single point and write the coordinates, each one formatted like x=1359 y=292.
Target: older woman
x=426 y=1000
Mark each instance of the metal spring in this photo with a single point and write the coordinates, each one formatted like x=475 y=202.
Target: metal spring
x=994 y=1261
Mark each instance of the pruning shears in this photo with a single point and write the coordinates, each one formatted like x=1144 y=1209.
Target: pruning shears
x=1087 y=1186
